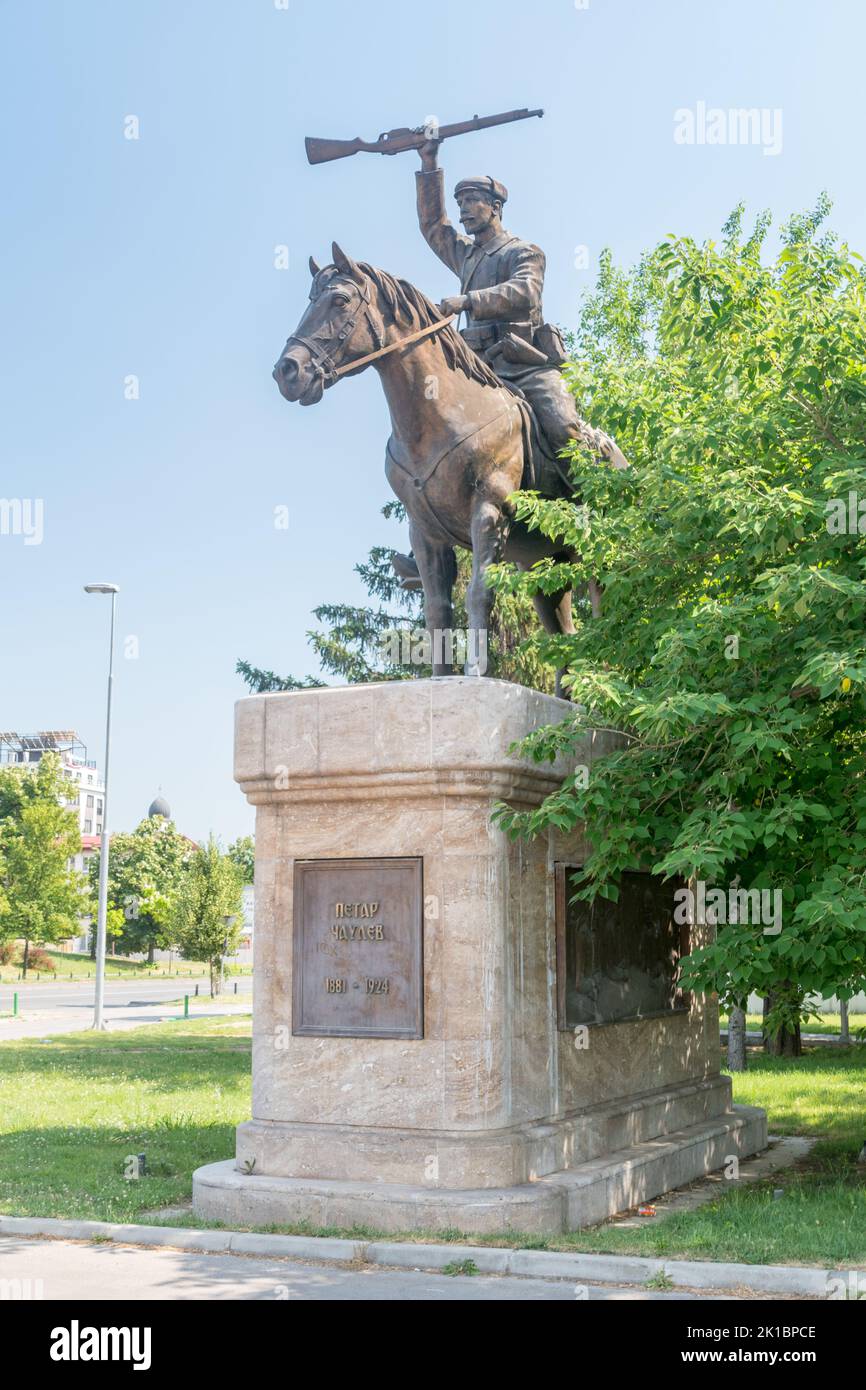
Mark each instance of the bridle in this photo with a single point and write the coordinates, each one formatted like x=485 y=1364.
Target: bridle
x=326 y=355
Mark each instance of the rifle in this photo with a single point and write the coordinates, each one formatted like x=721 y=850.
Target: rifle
x=396 y=141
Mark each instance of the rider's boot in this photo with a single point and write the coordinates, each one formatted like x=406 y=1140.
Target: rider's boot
x=406 y=569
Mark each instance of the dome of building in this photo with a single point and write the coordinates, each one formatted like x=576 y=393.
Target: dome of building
x=160 y=807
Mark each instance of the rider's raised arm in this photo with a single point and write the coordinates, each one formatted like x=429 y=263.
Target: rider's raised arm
x=521 y=291
x=450 y=246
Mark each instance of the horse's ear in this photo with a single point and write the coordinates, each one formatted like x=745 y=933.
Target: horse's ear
x=314 y=268
x=346 y=265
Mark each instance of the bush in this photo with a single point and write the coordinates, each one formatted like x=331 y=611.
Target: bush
x=8 y=953
x=39 y=959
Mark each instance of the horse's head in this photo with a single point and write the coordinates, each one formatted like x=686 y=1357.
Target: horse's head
x=340 y=325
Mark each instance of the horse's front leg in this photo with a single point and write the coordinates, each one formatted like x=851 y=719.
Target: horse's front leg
x=489 y=529
x=437 y=566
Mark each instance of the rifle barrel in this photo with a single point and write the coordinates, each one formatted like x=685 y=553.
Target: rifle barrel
x=485 y=122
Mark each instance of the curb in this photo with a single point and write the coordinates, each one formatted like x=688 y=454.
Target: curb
x=609 y=1269
x=184 y=1238
x=537 y=1264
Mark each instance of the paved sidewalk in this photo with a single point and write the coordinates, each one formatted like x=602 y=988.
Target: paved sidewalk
x=755 y=1039
x=48 y=1023
x=67 y=1270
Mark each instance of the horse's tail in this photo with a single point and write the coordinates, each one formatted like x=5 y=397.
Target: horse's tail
x=602 y=445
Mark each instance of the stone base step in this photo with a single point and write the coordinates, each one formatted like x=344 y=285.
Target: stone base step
x=507 y=1157
x=601 y=1187
x=562 y=1201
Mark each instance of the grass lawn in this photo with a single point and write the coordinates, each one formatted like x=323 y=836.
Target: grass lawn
x=821 y=1216
x=71 y=1111
x=116 y=968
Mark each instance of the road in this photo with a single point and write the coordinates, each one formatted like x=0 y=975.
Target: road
x=61 y=1269
x=68 y=1008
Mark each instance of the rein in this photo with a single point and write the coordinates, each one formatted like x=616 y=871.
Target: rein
x=392 y=347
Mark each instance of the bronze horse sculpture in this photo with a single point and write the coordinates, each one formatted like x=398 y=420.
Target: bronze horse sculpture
x=461 y=440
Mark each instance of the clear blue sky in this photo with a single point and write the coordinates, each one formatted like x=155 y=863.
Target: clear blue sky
x=155 y=258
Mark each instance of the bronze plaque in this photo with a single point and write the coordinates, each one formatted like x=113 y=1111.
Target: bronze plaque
x=617 y=960
x=358 y=948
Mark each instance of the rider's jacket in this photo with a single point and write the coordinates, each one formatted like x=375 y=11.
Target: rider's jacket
x=503 y=280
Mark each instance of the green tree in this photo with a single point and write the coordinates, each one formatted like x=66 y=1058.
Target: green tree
x=730 y=653
x=205 y=919
x=145 y=869
x=360 y=644
x=42 y=897
x=242 y=853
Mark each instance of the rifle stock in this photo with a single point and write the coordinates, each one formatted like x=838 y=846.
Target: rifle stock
x=321 y=151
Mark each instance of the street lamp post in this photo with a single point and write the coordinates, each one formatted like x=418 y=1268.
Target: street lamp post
x=102 y=911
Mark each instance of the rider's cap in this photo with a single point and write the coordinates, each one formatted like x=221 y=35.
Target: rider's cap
x=486 y=184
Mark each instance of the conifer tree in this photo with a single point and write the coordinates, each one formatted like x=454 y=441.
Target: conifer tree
x=361 y=644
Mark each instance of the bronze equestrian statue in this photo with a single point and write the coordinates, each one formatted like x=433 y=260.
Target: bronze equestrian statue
x=474 y=416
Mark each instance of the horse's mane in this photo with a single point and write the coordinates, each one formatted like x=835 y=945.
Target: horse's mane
x=412 y=309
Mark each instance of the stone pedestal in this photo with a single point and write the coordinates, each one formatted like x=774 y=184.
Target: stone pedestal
x=494 y=1117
